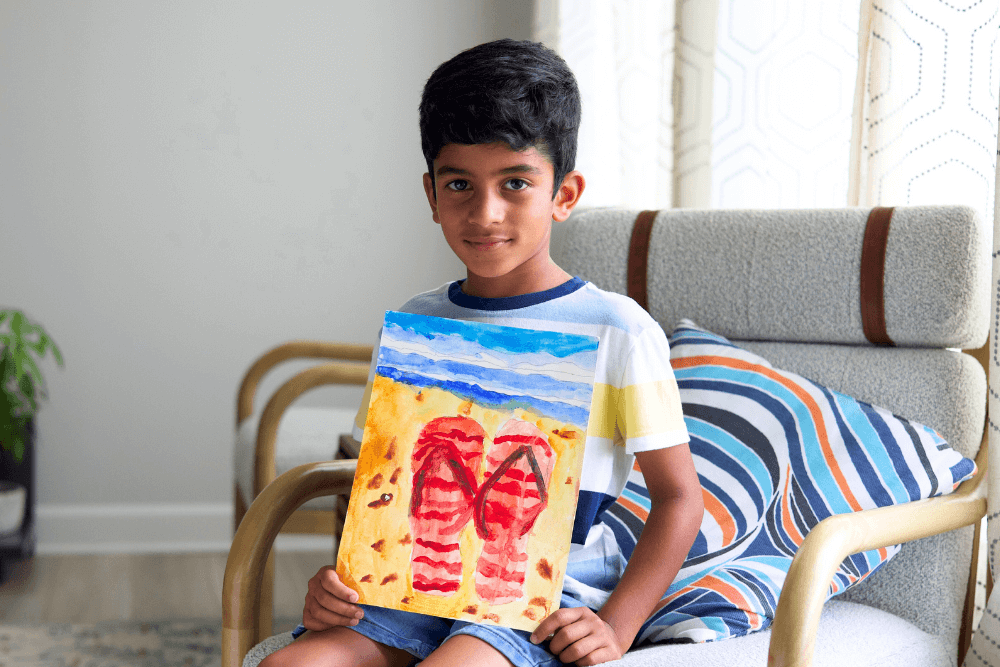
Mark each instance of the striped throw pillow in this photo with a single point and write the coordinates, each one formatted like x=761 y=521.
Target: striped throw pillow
x=776 y=453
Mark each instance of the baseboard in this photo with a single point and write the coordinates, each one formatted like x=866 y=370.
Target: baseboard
x=148 y=528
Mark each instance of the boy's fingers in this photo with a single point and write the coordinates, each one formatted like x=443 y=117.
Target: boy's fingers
x=567 y=636
x=330 y=618
x=579 y=649
x=337 y=605
x=332 y=583
x=551 y=624
x=332 y=610
x=324 y=620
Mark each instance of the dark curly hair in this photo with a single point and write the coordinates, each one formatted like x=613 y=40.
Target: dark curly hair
x=520 y=93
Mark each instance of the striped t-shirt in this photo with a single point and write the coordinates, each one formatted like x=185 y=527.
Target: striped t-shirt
x=636 y=405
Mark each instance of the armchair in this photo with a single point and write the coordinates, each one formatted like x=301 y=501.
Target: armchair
x=814 y=293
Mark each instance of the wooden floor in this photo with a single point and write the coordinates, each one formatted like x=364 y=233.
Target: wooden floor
x=148 y=587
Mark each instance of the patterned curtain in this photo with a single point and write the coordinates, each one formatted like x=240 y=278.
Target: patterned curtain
x=926 y=104
x=925 y=132
x=985 y=649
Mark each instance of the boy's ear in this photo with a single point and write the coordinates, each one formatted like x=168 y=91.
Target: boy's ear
x=431 y=197
x=568 y=195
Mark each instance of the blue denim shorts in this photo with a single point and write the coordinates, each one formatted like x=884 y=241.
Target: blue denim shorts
x=420 y=635
x=589 y=580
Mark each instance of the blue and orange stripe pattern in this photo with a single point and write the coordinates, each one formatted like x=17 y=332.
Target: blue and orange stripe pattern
x=776 y=454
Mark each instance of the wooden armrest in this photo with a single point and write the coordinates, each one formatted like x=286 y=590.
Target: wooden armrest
x=796 y=620
x=333 y=372
x=313 y=349
x=254 y=539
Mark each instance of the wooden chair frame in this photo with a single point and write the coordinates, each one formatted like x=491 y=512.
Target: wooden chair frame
x=351 y=368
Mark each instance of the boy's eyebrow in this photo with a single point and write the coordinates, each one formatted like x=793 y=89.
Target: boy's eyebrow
x=516 y=169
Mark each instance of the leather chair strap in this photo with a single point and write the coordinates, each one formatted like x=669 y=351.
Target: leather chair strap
x=873 y=275
x=638 y=257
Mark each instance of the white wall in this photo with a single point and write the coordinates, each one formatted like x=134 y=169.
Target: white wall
x=184 y=185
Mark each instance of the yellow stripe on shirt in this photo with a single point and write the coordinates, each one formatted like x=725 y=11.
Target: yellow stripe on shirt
x=603 y=411
x=650 y=408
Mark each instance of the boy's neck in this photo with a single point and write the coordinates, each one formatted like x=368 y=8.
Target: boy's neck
x=515 y=284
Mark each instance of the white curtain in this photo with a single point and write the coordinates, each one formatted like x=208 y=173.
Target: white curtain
x=622 y=54
x=783 y=92
x=697 y=103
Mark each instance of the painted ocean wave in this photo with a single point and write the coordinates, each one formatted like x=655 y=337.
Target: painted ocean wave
x=492 y=399
x=440 y=348
x=499 y=380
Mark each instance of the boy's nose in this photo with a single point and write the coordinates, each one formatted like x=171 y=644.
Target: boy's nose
x=487 y=209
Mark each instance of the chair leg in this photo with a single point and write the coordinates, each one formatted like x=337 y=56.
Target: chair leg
x=265 y=612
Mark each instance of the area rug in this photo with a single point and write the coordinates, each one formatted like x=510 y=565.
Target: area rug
x=175 y=643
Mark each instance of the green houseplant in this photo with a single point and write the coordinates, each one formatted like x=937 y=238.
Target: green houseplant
x=21 y=383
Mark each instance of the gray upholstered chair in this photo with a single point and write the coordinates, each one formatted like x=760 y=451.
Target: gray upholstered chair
x=808 y=290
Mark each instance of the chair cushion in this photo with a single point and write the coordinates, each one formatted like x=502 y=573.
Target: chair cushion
x=849 y=634
x=305 y=435
x=776 y=453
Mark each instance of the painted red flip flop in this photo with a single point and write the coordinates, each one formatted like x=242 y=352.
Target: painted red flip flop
x=445 y=459
x=513 y=493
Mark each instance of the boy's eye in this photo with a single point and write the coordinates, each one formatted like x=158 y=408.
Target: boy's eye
x=458 y=185
x=517 y=184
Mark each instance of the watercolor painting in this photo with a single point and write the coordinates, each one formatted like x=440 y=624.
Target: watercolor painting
x=467 y=480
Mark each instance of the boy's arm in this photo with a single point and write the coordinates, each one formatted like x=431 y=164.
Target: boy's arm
x=674 y=519
x=671 y=528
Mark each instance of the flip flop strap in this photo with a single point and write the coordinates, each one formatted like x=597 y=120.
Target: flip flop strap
x=543 y=494
x=461 y=476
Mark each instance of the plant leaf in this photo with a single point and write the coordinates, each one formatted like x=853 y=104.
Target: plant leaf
x=17 y=323
x=36 y=375
x=28 y=391
x=45 y=342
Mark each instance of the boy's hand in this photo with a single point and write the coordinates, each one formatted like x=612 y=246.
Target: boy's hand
x=329 y=602
x=577 y=634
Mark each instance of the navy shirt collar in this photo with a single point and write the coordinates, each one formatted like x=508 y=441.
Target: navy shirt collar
x=460 y=298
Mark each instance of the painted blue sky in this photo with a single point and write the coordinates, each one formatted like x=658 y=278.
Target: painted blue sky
x=547 y=372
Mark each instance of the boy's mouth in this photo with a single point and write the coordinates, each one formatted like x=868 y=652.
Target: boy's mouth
x=485 y=244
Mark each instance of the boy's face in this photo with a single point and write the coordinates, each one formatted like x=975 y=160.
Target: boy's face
x=496 y=209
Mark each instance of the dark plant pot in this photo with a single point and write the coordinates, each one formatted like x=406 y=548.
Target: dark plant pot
x=13 y=499
x=20 y=544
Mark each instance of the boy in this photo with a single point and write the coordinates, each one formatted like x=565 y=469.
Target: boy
x=498 y=127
